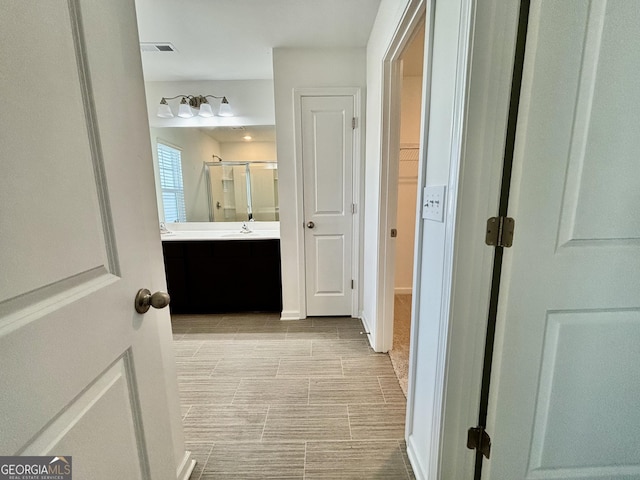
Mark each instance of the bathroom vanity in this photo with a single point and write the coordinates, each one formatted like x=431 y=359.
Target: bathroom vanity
x=223 y=268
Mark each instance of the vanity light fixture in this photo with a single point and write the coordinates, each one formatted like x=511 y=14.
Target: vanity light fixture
x=247 y=137
x=189 y=103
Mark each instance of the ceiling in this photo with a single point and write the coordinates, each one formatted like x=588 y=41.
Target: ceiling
x=232 y=39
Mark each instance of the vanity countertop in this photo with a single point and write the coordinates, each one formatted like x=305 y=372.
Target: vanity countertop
x=198 y=231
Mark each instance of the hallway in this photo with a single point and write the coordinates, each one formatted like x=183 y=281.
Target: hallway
x=308 y=399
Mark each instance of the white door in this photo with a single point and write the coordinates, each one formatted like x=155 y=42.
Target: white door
x=81 y=371
x=566 y=383
x=327 y=158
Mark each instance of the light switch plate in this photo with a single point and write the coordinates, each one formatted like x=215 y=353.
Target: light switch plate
x=433 y=203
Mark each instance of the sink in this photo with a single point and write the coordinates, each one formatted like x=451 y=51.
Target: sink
x=239 y=235
x=204 y=235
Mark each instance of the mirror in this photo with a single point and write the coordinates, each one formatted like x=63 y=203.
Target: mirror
x=242 y=191
x=182 y=153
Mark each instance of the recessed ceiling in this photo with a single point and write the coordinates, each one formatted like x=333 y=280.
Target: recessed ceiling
x=232 y=39
x=258 y=133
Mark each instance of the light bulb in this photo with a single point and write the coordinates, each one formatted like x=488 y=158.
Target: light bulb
x=164 y=111
x=225 y=109
x=184 y=110
x=205 y=110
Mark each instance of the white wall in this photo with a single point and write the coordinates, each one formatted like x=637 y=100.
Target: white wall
x=411 y=109
x=465 y=148
x=196 y=148
x=251 y=101
x=434 y=261
x=300 y=68
x=408 y=183
x=248 y=151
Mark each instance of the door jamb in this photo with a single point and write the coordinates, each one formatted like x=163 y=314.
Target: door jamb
x=390 y=144
x=357 y=189
x=510 y=138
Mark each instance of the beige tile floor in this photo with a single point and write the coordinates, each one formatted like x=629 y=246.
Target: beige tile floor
x=308 y=399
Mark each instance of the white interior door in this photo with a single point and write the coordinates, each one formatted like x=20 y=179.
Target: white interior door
x=327 y=158
x=565 y=386
x=81 y=371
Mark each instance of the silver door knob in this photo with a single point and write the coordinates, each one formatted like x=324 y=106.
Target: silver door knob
x=144 y=300
x=310 y=224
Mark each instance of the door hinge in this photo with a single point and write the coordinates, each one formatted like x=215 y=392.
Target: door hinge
x=353 y=122
x=478 y=439
x=500 y=231
x=394 y=233
x=351 y=284
x=353 y=208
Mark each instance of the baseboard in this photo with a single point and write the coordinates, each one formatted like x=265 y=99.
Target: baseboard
x=290 y=315
x=416 y=466
x=403 y=291
x=186 y=466
x=367 y=328
x=365 y=322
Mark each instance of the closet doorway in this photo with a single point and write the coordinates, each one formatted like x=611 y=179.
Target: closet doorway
x=412 y=60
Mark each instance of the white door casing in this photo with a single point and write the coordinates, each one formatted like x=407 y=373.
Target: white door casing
x=565 y=382
x=82 y=372
x=327 y=144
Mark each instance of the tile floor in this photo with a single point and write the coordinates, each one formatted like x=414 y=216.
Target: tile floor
x=308 y=399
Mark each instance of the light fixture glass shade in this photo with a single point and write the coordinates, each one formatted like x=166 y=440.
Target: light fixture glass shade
x=164 y=111
x=205 y=110
x=225 y=109
x=184 y=110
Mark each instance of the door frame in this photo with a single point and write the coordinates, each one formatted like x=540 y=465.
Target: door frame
x=490 y=48
x=390 y=160
x=357 y=189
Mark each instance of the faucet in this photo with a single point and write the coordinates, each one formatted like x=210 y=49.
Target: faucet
x=245 y=228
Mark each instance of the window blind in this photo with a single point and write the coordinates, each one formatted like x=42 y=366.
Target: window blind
x=170 y=169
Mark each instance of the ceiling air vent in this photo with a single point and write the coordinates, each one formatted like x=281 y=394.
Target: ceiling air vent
x=156 y=47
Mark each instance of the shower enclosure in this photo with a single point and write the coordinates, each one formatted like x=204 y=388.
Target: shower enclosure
x=242 y=191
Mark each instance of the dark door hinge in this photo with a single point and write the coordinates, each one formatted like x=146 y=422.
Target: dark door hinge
x=478 y=439
x=353 y=123
x=500 y=231
x=352 y=283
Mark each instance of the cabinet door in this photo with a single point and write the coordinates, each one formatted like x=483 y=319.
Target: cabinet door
x=175 y=268
x=224 y=276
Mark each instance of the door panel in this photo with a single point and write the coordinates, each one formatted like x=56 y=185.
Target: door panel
x=564 y=389
x=82 y=371
x=107 y=407
x=329 y=275
x=45 y=200
x=327 y=156
x=572 y=359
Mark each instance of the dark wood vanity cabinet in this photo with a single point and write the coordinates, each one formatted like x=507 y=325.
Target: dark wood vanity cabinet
x=219 y=276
